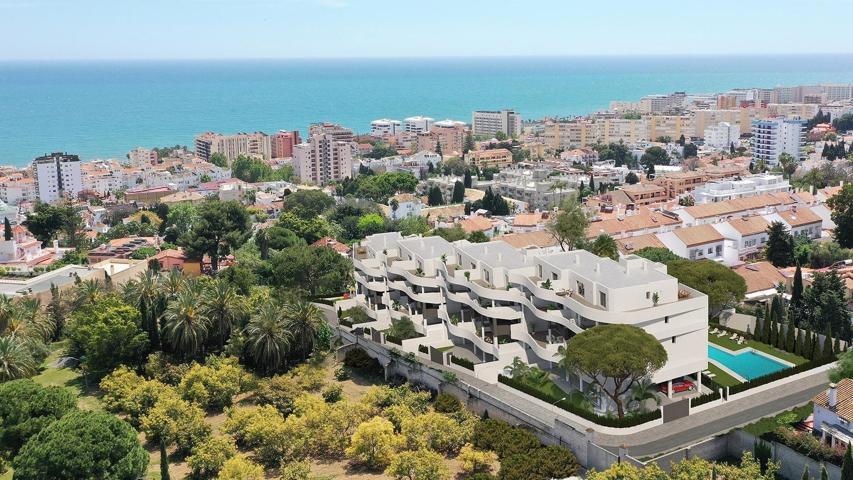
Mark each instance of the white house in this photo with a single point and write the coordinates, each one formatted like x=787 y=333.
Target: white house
x=800 y=221
x=407 y=205
x=695 y=243
x=833 y=413
x=748 y=235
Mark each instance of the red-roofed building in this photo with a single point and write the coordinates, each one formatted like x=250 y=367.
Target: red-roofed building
x=335 y=245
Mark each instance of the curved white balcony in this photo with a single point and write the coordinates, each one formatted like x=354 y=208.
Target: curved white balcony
x=600 y=315
x=548 y=352
x=429 y=297
x=501 y=313
x=370 y=266
x=372 y=285
x=466 y=330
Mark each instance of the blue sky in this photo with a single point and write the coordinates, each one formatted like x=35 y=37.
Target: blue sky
x=174 y=29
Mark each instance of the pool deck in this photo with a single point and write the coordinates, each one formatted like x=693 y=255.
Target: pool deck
x=740 y=352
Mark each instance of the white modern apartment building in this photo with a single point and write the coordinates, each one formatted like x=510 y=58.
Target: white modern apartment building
x=748 y=186
x=57 y=176
x=774 y=136
x=488 y=123
x=722 y=135
x=492 y=303
x=418 y=124
x=250 y=144
x=385 y=127
x=322 y=159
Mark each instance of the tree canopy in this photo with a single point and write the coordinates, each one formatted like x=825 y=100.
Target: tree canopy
x=724 y=287
x=221 y=227
x=569 y=225
x=615 y=357
x=83 y=445
x=841 y=205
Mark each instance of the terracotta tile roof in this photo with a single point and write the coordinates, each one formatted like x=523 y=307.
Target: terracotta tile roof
x=170 y=253
x=740 y=205
x=331 y=243
x=844 y=405
x=749 y=225
x=805 y=196
x=800 y=217
x=632 y=244
x=830 y=191
x=527 y=220
x=630 y=223
x=475 y=224
x=698 y=235
x=446 y=211
x=639 y=188
x=760 y=276
x=540 y=239
x=404 y=197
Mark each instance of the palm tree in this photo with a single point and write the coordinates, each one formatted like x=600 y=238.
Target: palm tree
x=145 y=294
x=303 y=321
x=267 y=339
x=223 y=306
x=172 y=283
x=16 y=361
x=8 y=310
x=87 y=291
x=186 y=326
x=644 y=390
x=36 y=323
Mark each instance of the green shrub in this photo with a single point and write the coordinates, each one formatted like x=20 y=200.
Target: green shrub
x=333 y=393
x=447 y=403
x=462 y=362
x=358 y=359
x=541 y=463
x=503 y=439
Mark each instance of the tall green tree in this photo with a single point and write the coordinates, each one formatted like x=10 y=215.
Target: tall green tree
x=615 y=357
x=221 y=228
x=841 y=205
x=223 y=307
x=795 y=306
x=724 y=287
x=434 y=197
x=569 y=225
x=780 y=245
x=458 y=192
x=7 y=229
x=267 y=338
x=187 y=327
x=605 y=246
x=847 y=465
x=304 y=321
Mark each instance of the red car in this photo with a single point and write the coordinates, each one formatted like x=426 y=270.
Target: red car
x=678 y=386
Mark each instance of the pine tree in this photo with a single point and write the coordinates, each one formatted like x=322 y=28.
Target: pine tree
x=827 y=343
x=164 y=461
x=847 y=465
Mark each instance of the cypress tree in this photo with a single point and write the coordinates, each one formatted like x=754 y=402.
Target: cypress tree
x=795 y=308
x=824 y=475
x=807 y=344
x=765 y=326
x=164 y=461
x=827 y=342
x=774 y=332
x=458 y=193
x=790 y=338
x=798 y=342
x=815 y=353
x=805 y=473
x=7 y=229
x=836 y=346
x=847 y=465
x=466 y=180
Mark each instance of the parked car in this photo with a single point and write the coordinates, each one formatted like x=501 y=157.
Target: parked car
x=678 y=386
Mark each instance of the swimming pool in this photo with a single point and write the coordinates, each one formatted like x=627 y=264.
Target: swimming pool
x=747 y=364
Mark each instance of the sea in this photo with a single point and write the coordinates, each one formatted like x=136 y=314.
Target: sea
x=103 y=109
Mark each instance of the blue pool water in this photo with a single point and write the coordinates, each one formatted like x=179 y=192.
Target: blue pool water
x=747 y=364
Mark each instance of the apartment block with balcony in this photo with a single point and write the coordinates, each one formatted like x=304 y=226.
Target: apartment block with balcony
x=774 y=136
x=492 y=303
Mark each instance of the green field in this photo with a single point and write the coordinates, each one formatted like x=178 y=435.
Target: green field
x=68 y=378
x=768 y=424
x=725 y=342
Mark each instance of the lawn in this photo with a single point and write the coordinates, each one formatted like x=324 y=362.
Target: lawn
x=553 y=390
x=68 y=378
x=791 y=417
x=722 y=377
x=725 y=342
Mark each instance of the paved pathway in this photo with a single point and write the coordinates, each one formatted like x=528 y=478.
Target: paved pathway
x=669 y=436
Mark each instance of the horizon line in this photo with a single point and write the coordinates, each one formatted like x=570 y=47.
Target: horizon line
x=427 y=57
